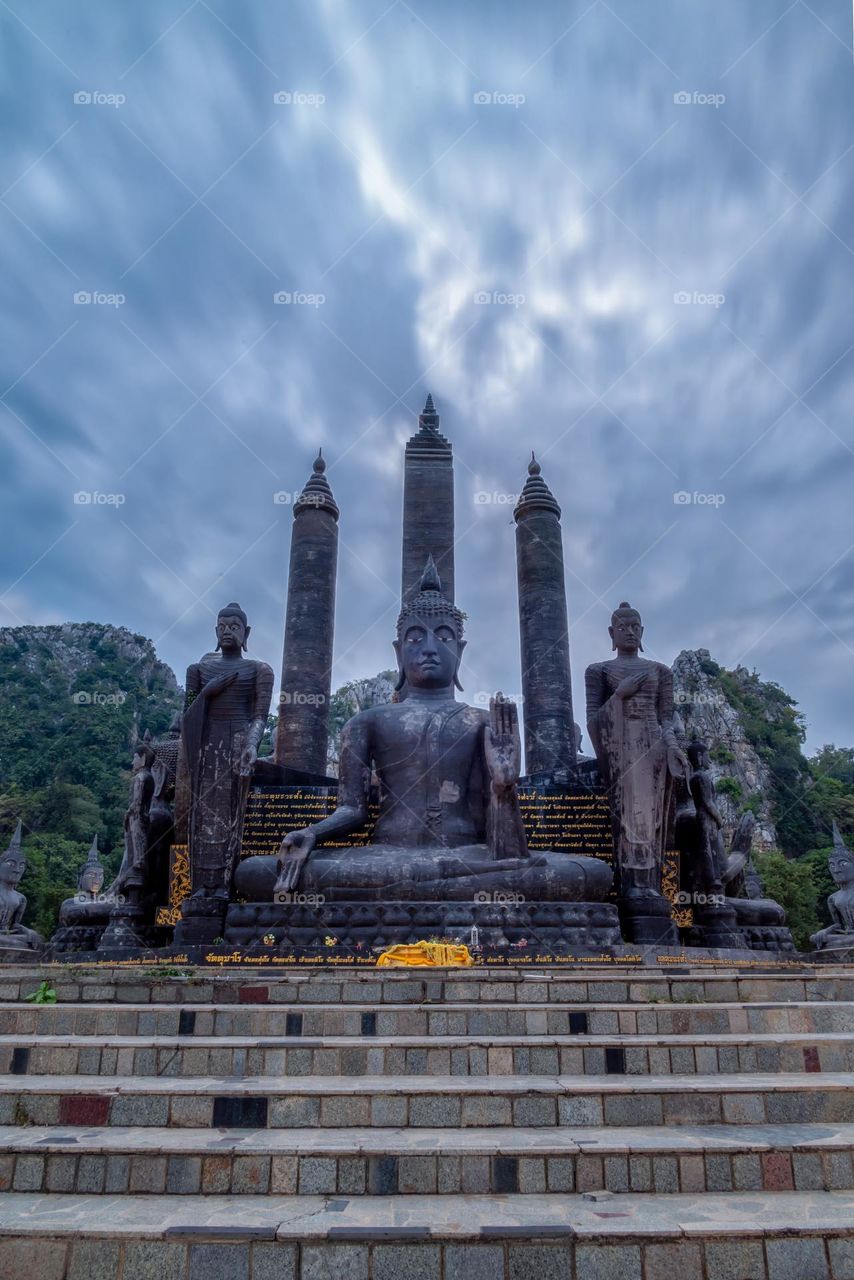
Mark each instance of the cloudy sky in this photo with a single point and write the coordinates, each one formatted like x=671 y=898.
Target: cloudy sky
x=656 y=201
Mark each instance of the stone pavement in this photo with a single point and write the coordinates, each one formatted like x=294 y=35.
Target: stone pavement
x=432 y=1126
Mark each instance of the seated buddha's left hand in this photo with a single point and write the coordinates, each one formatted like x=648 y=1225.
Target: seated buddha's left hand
x=502 y=744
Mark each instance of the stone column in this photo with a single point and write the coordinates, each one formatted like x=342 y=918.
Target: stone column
x=546 y=686
x=301 y=739
x=428 y=505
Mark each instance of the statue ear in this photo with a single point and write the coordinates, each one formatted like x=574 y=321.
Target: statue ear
x=401 y=678
x=246 y=631
x=460 y=646
x=640 y=646
x=611 y=634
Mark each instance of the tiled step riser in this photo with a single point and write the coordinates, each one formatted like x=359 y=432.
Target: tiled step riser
x=706 y=1254
x=447 y=987
x=473 y=1060
x=400 y=1109
x=357 y=1174
x=263 y=1021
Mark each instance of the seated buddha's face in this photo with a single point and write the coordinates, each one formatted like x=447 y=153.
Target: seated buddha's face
x=429 y=653
x=842 y=870
x=92 y=880
x=12 y=869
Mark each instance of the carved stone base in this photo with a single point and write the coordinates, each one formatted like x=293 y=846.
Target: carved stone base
x=768 y=937
x=125 y=929
x=364 y=926
x=201 y=922
x=77 y=937
x=648 y=920
x=715 y=926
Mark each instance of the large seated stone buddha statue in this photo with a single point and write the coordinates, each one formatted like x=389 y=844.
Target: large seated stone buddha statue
x=449 y=830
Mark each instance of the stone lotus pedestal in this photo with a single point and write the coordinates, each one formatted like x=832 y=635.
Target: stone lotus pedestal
x=502 y=920
x=550 y=928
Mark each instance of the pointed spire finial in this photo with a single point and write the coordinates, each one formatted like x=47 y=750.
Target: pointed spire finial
x=536 y=494
x=429 y=418
x=317 y=494
x=430 y=580
x=15 y=842
x=838 y=843
x=92 y=858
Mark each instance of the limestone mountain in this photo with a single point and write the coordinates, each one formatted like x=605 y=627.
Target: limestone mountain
x=73 y=700
x=358 y=695
x=707 y=711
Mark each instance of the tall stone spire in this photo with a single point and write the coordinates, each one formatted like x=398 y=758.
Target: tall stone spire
x=301 y=738
x=546 y=686
x=428 y=505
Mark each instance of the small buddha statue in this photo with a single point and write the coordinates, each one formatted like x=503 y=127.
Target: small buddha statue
x=89 y=900
x=13 y=934
x=449 y=825
x=839 y=934
x=83 y=917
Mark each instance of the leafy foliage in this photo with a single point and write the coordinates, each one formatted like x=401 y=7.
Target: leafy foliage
x=43 y=994
x=793 y=885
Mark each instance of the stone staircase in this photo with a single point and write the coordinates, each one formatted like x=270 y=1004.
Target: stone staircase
x=313 y=1124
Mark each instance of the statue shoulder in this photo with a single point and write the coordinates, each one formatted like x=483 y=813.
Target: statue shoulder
x=362 y=720
x=264 y=672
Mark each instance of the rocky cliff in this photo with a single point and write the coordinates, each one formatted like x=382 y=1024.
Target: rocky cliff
x=703 y=696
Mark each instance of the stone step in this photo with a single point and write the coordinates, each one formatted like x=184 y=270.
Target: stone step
x=427 y=1101
x=139 y=1161
x=279 y=1056
x=342 y=985
x=736 y=1236
x=426 y=1019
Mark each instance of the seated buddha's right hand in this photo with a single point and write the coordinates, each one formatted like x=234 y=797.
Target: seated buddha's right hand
x=293 y=855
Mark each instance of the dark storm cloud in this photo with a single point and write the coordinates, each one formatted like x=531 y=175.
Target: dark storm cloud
x=582 y=212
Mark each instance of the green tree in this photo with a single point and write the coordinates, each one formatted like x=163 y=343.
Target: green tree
x=792 y=884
